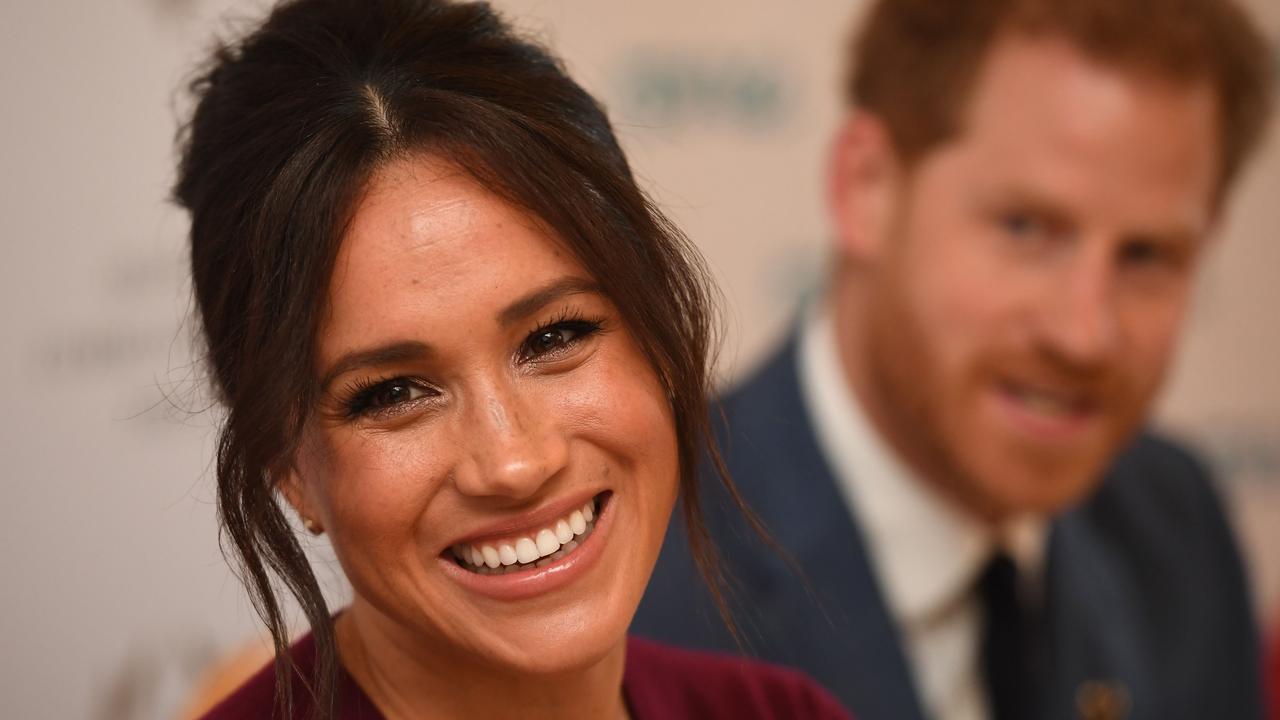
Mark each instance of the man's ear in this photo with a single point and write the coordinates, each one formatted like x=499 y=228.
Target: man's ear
x=863 y=185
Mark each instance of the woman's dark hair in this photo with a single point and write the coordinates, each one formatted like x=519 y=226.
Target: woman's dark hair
x=289 y=125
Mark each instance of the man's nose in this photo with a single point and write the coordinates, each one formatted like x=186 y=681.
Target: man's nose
x=512 y=446
x=1080 y=323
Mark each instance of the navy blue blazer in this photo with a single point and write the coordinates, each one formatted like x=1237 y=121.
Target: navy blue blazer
x=1144 y=585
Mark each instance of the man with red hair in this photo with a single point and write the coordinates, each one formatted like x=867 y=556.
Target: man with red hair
x=952 y=446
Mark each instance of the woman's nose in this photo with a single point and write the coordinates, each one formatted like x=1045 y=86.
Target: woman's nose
x=513 y=445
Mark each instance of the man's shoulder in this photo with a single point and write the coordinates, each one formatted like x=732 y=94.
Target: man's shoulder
x=769 y=383
x=1159 y=483
x=1157 y=519
x=763 y=427
x=1152 y=451
x=1151 y=557
x=666 y=681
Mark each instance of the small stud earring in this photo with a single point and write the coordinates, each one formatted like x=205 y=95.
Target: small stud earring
x=312 y=526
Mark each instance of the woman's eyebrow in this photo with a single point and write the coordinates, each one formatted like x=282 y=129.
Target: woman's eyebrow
x=536 y=300
x=402 y=351
x=409 y=350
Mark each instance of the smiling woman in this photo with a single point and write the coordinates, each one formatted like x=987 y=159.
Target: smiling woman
x=485 y=399
x=451 y=332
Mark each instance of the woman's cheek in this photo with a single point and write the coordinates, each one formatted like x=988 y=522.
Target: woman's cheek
x=381 y=481
x=620 y=404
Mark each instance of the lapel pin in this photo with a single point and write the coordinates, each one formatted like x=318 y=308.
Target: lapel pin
x=1102 y=700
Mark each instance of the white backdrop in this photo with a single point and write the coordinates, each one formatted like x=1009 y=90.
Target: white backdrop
x=114 y=593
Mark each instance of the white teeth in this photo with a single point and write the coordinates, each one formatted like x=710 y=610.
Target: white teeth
x=526 y=551
x=563 y=533
x=546 y=546
x=547 y=543
x=507 y=554
x=1046 y=404
x=537 y=561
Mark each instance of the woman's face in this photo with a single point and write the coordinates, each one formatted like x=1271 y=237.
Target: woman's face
x=493 y=457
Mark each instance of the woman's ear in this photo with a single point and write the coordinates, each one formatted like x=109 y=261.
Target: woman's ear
x=293 y=488
x=862 y=187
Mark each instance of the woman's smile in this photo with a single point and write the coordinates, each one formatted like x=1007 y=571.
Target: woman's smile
x=496 y=459
x=543 y=555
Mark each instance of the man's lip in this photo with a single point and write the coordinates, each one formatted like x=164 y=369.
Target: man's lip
x=1080 y=414
x=1082 y=400
x=526 y=523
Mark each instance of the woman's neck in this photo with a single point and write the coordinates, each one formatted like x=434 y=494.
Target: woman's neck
x=406 y=680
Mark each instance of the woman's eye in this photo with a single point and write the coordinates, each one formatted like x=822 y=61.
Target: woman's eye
x=387 y=396
x=394 y=393
x=550 y=341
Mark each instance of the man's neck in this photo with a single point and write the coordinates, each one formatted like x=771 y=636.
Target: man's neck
x=886 y=491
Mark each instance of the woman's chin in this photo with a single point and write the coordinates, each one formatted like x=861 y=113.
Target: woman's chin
x=562 y=616
x=572 y=644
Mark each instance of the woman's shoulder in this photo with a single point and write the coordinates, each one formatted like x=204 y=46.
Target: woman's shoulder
x=663 y=681
x=256 y=698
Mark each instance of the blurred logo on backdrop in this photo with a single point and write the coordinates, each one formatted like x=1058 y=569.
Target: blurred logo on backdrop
x=678 y=89
x=173 y=9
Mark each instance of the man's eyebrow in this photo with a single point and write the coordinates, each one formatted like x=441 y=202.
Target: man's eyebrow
x=1032 y=201
x=1175 y=233
x=394 y=352
x=536 y=300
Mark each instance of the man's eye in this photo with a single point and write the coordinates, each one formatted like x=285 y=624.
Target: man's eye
x=550 y=341
x=1028 y=227
x=1020 y=224
x=1141 y=254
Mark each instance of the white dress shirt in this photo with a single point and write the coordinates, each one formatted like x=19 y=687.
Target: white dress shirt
x=926 y=551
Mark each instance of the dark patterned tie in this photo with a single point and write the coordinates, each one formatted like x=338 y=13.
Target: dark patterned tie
x=1006 y=651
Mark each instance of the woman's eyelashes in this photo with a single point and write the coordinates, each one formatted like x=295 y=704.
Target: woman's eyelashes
x=385 y=398
x=553 y=340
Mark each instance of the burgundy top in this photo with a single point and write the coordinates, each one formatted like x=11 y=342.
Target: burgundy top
x=661 y=682
x=1274 y=677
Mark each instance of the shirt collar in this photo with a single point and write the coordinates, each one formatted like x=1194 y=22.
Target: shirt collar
x=927 y=552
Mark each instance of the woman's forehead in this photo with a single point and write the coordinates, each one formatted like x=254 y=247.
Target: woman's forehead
x=428 y=245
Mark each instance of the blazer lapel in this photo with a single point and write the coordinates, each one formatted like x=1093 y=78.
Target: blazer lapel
x=774 y=458
x=1095 y=668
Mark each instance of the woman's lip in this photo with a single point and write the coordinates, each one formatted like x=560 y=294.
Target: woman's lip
x=526 y=524
x=536 y=581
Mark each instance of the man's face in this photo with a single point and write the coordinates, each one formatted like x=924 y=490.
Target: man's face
x=1032 y=274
